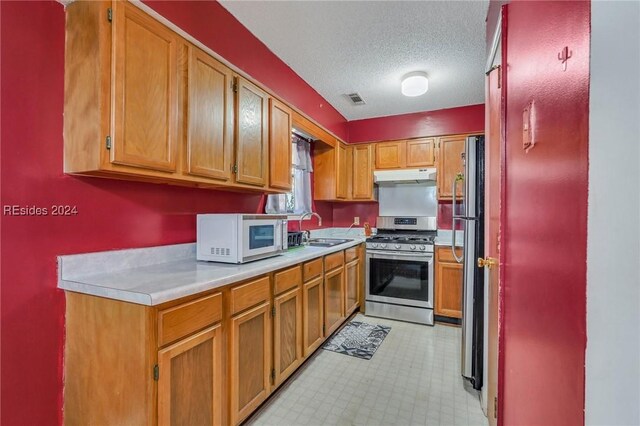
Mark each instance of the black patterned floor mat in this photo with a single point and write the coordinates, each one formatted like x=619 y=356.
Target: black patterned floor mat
x=358 y=339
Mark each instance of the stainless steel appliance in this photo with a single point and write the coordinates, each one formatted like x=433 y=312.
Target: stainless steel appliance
x=471 y=215
x=240 y=238
x=399 y=269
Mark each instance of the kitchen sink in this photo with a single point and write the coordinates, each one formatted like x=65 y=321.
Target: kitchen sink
x=327 y=242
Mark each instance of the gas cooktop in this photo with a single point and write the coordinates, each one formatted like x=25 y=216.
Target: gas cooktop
x=402 y=242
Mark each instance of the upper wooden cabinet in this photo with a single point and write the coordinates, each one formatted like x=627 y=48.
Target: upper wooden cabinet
x=362 y=182
x=279 y=145
x=331 y=174
x=342 y=171
x=450 y=164
x=252 y=154
x=122 y=84
x=406 y=153
x=209 y=117
x=421 y=152
x=143 y=103
x=145 y=96
x=391 y=155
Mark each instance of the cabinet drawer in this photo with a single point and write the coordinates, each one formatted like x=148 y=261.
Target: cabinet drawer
x=332 y=261
x=312 y=269
x=182 y=320
x=350 y=254
x=445 y=255
x=289 y=278
x=250 y=294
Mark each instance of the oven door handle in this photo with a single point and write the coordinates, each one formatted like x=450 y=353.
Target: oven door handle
x=391 y=255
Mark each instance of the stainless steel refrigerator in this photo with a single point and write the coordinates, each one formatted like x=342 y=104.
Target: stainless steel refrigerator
x=471 y=214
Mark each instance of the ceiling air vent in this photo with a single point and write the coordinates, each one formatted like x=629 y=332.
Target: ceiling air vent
x=356 y=98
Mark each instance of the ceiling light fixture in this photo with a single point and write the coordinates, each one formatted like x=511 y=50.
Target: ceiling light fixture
x=415 y=84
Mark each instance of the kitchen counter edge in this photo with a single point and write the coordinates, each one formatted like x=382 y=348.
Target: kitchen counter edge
x=191 y=276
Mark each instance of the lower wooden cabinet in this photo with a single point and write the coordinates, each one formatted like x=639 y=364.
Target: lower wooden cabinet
x=352 y=286
x=287 y=334
x=312 y=315
x=250 y=361
x=190 y=386
x=333 y=300
x=448 y=283
x=208 y=359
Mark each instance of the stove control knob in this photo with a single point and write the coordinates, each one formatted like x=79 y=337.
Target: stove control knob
x=412 y=247
x=422 y=247
x=374 y=245
x=397 y=246
x=383 y=245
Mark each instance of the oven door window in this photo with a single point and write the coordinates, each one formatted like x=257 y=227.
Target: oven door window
x=399 y=279
x=261 y=236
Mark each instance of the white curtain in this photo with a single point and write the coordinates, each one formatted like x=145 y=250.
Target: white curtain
x=299 y=200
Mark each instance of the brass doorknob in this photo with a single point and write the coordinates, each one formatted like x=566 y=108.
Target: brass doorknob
x=489 y=262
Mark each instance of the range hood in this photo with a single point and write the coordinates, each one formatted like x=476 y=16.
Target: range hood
x=394 y=177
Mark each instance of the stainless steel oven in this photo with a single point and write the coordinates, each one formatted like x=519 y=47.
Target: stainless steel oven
x=399 y=278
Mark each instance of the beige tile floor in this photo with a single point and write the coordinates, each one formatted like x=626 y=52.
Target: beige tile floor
x=413 y=379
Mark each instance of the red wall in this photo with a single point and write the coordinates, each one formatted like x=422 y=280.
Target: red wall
x=544 y=285
x=343 y=214
x=214 y=26
x=449 y=121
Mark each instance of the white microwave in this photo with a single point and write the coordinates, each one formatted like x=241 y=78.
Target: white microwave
x=240 y=238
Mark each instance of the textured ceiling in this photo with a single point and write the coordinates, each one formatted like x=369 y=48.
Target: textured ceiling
x=341 y=47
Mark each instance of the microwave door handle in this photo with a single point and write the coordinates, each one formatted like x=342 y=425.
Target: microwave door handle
x=284 y=235
x=277 y=235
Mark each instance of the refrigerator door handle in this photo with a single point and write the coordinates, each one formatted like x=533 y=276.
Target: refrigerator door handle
x=454 y=219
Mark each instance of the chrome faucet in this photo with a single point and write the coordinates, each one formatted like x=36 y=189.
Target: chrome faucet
x=307 y=234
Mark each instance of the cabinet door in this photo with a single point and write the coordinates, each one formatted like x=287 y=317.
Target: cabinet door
x=333 y=300
x=252 y=144
x=287 y=334
x=448 y=284
x=279 y=145
x=342 y=170
x=362 y=172
x=190 y=380
x=250 y=361
x=420 y=152
x=391 y=155
x=312 y=319
x=145 y=96
x=450 y=164
x=351 y=278
x=209 y=117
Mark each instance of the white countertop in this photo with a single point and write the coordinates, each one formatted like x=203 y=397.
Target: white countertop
x=445 y=236
x=151 y=276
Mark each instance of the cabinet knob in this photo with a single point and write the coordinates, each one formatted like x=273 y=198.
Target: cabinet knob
x=489 y=262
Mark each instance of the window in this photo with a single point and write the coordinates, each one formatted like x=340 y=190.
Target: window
x=298 y=201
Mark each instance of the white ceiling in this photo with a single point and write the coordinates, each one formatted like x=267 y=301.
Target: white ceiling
x=341 y=47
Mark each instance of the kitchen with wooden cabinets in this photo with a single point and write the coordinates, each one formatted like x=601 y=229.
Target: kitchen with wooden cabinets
x=364 y=282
